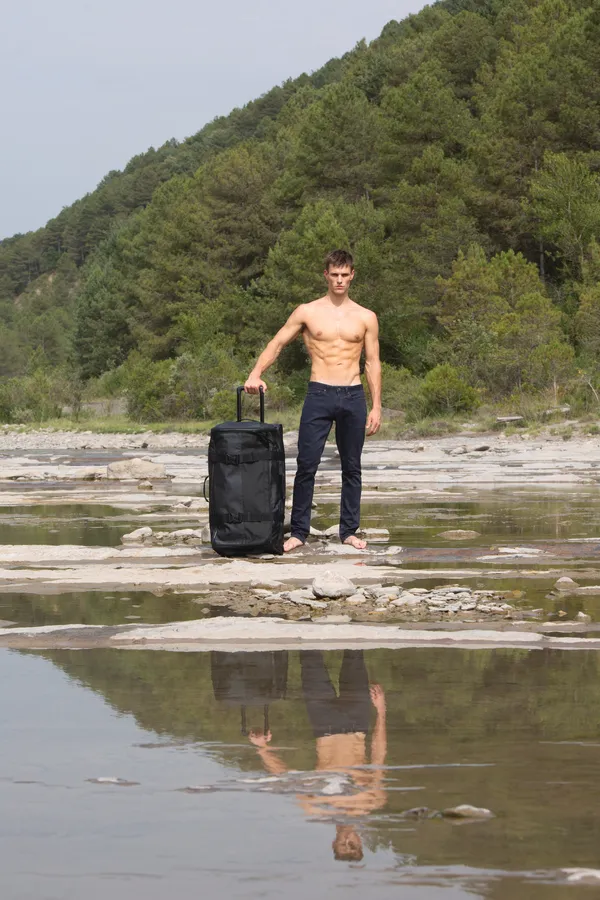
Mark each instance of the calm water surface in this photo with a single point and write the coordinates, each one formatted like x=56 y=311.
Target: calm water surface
x=206 y=812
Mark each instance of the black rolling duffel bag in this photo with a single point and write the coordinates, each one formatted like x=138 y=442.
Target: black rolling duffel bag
x=246 y=473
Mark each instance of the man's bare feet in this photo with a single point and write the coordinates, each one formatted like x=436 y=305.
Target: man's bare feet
x=292 y=543
x=358 y=543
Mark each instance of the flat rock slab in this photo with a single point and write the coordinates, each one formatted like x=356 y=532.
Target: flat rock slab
x=250 y=634
x=39 y=554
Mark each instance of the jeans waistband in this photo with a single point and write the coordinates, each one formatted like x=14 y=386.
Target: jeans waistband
x=320 y=386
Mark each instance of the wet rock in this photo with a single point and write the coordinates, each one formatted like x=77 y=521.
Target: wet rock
x=468 y=605
x=139 y=536
x=459 y=534
x=265 y=584
x=332 y=532
x=565 y=584
x=332 y=620
x=381 y=594
x=583 y=876
x=356 y=599
x=304 y=598
x=407 y=600
x=135 y=468
x=332 y=585
x=482 y=448
x=120 y=782
x=185 y=535
x=375 y=535
x=467 y=812
x=418 y=812
x=145 y=486
x=583 y=617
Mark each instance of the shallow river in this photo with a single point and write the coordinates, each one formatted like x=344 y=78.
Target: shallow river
x=201 y=811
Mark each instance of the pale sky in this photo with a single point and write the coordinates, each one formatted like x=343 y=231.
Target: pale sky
x=87 y=85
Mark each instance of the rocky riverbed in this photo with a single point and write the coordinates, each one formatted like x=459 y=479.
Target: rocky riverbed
x=462 y=532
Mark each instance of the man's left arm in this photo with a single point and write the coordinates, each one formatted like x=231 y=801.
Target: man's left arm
x=373 y=373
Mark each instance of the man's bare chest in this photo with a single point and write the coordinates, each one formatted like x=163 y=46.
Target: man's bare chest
x=335 y=327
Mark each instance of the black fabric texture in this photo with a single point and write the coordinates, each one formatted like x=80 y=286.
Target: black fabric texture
x=330 y=713
x=246 y=467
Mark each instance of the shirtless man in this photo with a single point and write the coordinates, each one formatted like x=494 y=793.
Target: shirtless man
x=340 y=725
x=335 y=330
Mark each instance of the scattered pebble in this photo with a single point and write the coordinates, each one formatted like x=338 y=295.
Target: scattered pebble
x=565 y=584
x=121 y=782
x=467 y=812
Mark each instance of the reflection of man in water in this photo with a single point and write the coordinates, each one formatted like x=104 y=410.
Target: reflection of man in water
x=340 y=725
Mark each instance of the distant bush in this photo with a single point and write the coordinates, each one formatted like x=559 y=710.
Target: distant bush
x=193 y=386
x=401 y=390
x=445 y=391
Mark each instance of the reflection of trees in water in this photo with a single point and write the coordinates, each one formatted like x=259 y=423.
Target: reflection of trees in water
x=95 y=608
x=87 y=525
x=444 y=706
x=531 y=517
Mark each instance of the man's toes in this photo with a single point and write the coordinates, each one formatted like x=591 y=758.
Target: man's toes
x=291 y=544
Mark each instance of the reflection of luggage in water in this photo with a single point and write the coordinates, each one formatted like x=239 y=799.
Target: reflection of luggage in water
x=249 y=680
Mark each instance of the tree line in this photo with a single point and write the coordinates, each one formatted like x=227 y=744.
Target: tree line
x=457 y=155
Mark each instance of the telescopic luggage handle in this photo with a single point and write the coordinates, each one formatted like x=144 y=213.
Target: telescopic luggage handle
x=240 y=391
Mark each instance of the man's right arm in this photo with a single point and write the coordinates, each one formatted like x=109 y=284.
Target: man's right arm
x=284 y=336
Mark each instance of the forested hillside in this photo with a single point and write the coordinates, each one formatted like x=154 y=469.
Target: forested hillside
x=458 y=156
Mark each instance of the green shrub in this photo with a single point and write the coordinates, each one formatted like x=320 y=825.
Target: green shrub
x=148 y=386
x=223 y=406
x=445 y=391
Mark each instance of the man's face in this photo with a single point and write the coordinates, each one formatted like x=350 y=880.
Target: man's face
x=338 y=279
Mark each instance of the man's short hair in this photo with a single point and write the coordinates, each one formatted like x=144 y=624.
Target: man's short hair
x=339 y=258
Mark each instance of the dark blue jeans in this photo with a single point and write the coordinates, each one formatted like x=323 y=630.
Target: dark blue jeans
x=324 y=405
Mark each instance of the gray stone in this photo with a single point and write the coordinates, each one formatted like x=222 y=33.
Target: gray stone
x=382 y=594
x=186 y=535
x=464 y=811
x=565 y=584
x=375 y=535
x=265 y=584
x=145 y=486
x=406 y=599
x=303 y=598
x=139 y=536
x=356 y=599
x=393 y=551
x=332 y=585
x=583 y=617
x=205 y=533
x=332 y=532
x=459 y=534
x=135 y=468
